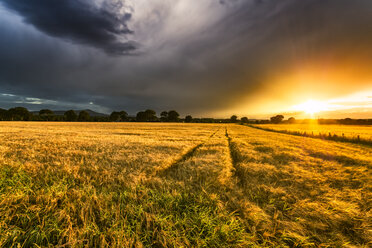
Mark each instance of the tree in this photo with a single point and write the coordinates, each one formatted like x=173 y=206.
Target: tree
x=347 y=121
x=141 y=116
x=70 y=115
x=19 y=114
x=84 y=116
x=150 y=115
x=123 y=115
x=244 y=119
x=164 y=116
x=46 y=112
x=173 y=116
x=233 y=118
x=119 y=116
x=3 y=114
x=277 y=119
x=115 y=116
x=291 y=120
x=188 y=119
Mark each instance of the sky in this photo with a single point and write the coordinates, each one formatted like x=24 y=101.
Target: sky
x=208 y=58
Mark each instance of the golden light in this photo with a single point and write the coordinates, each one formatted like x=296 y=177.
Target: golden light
x=311 y=107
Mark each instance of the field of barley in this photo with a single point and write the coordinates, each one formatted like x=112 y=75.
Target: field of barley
x=346 y=131
x=180 y=185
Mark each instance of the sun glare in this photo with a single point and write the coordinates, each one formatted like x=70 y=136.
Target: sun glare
x=311 y=107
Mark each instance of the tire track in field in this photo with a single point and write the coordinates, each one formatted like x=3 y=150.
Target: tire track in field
x=232 y=194
x=236 y=197
x=236 y=159
x=184 y=157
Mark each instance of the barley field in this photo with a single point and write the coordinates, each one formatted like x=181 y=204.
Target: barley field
x=180 y=185
x=346 y=131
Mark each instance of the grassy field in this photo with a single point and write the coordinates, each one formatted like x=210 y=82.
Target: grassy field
x=352 y=132
x=180 y=185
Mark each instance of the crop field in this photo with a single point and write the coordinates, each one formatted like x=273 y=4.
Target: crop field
x=180 y=185
x=346 y=131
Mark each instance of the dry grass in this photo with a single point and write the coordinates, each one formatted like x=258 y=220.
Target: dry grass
x=179 y=185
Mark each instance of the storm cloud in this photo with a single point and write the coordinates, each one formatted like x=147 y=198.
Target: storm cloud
x=79 y=21
x=197 y=58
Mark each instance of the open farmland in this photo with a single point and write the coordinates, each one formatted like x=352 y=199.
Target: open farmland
x=180 y=185
x=347 y=132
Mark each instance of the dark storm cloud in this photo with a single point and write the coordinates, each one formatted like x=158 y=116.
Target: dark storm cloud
x=195 y=70
x=78 y=21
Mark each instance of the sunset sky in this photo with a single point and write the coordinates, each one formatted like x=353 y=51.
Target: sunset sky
x=255 y=58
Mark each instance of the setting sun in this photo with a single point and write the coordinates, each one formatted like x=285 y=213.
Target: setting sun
x=311 y=107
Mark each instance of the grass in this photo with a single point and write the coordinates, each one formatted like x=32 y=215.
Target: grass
x=179 y=185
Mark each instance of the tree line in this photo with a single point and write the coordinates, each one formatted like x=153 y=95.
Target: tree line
x=149 y=115
x=23 y=114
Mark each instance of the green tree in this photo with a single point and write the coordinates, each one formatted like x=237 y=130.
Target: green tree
x=119 y=116
x=277 y=119
x=244 y=119
x=46 y=112
x=115 y=116
x=84 y=116
x=150 y=115
x=19 y=114
x=164 y=116
x=188 y=119
x=173 y=116
x=3 y=114
x=141 y=116
x=234 y=119
x=70 y=115
x=123 y=116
